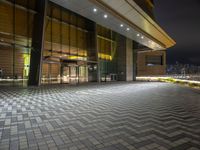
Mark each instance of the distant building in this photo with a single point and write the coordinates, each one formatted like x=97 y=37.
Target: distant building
x=179 y=68
x=77 y=41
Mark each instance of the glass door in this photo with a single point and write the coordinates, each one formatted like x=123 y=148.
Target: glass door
x=82 y=74
x=70 y=74
x=65 y=74
x=73 y=74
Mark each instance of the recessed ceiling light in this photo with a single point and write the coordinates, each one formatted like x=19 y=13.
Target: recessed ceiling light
x=127 y=29
x=142 y=37
x=138 y=34
x=121 y=25
x=105 y=16
x=94 y=10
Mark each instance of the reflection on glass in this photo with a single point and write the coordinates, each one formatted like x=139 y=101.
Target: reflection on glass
x=15 y=39
x=67 y=42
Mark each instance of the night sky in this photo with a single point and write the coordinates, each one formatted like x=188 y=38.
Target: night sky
x=181 y=20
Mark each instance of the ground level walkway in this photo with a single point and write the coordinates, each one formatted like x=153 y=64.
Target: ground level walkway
x=118 y=116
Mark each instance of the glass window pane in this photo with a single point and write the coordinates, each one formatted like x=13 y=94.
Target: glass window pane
x=55 y=73
x=65 y=38
x=73 y=42
x=56 y=12
x=21 y=27
x=73 y=19
x=56 y=36
x=6 y=61
x=21 y=22
x=48 y=37
x=21 y=62
x=66 y=16
x=21 y=2
x=30 y=27
x=153 y=60
x=32 y=4
x=6 y=17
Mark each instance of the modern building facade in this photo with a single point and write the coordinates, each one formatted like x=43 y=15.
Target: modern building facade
x=150 y=62
x=77 y=41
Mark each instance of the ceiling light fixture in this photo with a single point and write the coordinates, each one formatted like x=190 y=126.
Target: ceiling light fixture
x=105 y=16
x=121 y=25
x=94 y=10
x=127 y=29
x=138 y=34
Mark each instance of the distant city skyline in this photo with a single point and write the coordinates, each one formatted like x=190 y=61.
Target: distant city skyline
x=181 y=20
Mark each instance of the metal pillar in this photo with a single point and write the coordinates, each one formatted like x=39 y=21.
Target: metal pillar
x=37 y=43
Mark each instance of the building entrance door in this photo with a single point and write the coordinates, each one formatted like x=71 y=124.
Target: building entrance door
x=74 y=72
x=69 y=74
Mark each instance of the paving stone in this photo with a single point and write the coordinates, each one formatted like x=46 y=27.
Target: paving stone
x=117 y=116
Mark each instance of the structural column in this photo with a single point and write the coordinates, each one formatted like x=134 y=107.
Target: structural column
x=97 y=55
x=37 y=43
x=134 y=64
x=164 y=61
x=121 y=60
x=129 y=60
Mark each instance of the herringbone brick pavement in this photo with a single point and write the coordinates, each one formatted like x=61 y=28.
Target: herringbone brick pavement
x=118 y=116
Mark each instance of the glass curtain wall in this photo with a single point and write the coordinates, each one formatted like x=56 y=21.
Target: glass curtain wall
x=16 y=17
x=67 y=43
x=107 y=48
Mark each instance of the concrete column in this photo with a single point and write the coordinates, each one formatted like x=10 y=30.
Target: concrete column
x=129 y=60
x=164 y=61
x=121 y=58
x=37 y=43
x=97 y=56
x=134 y=64
x=93 y=75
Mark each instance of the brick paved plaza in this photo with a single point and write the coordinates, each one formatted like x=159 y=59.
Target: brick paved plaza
x=118 y=116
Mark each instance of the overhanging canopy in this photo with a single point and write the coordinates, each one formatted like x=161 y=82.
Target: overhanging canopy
x=124 y=17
